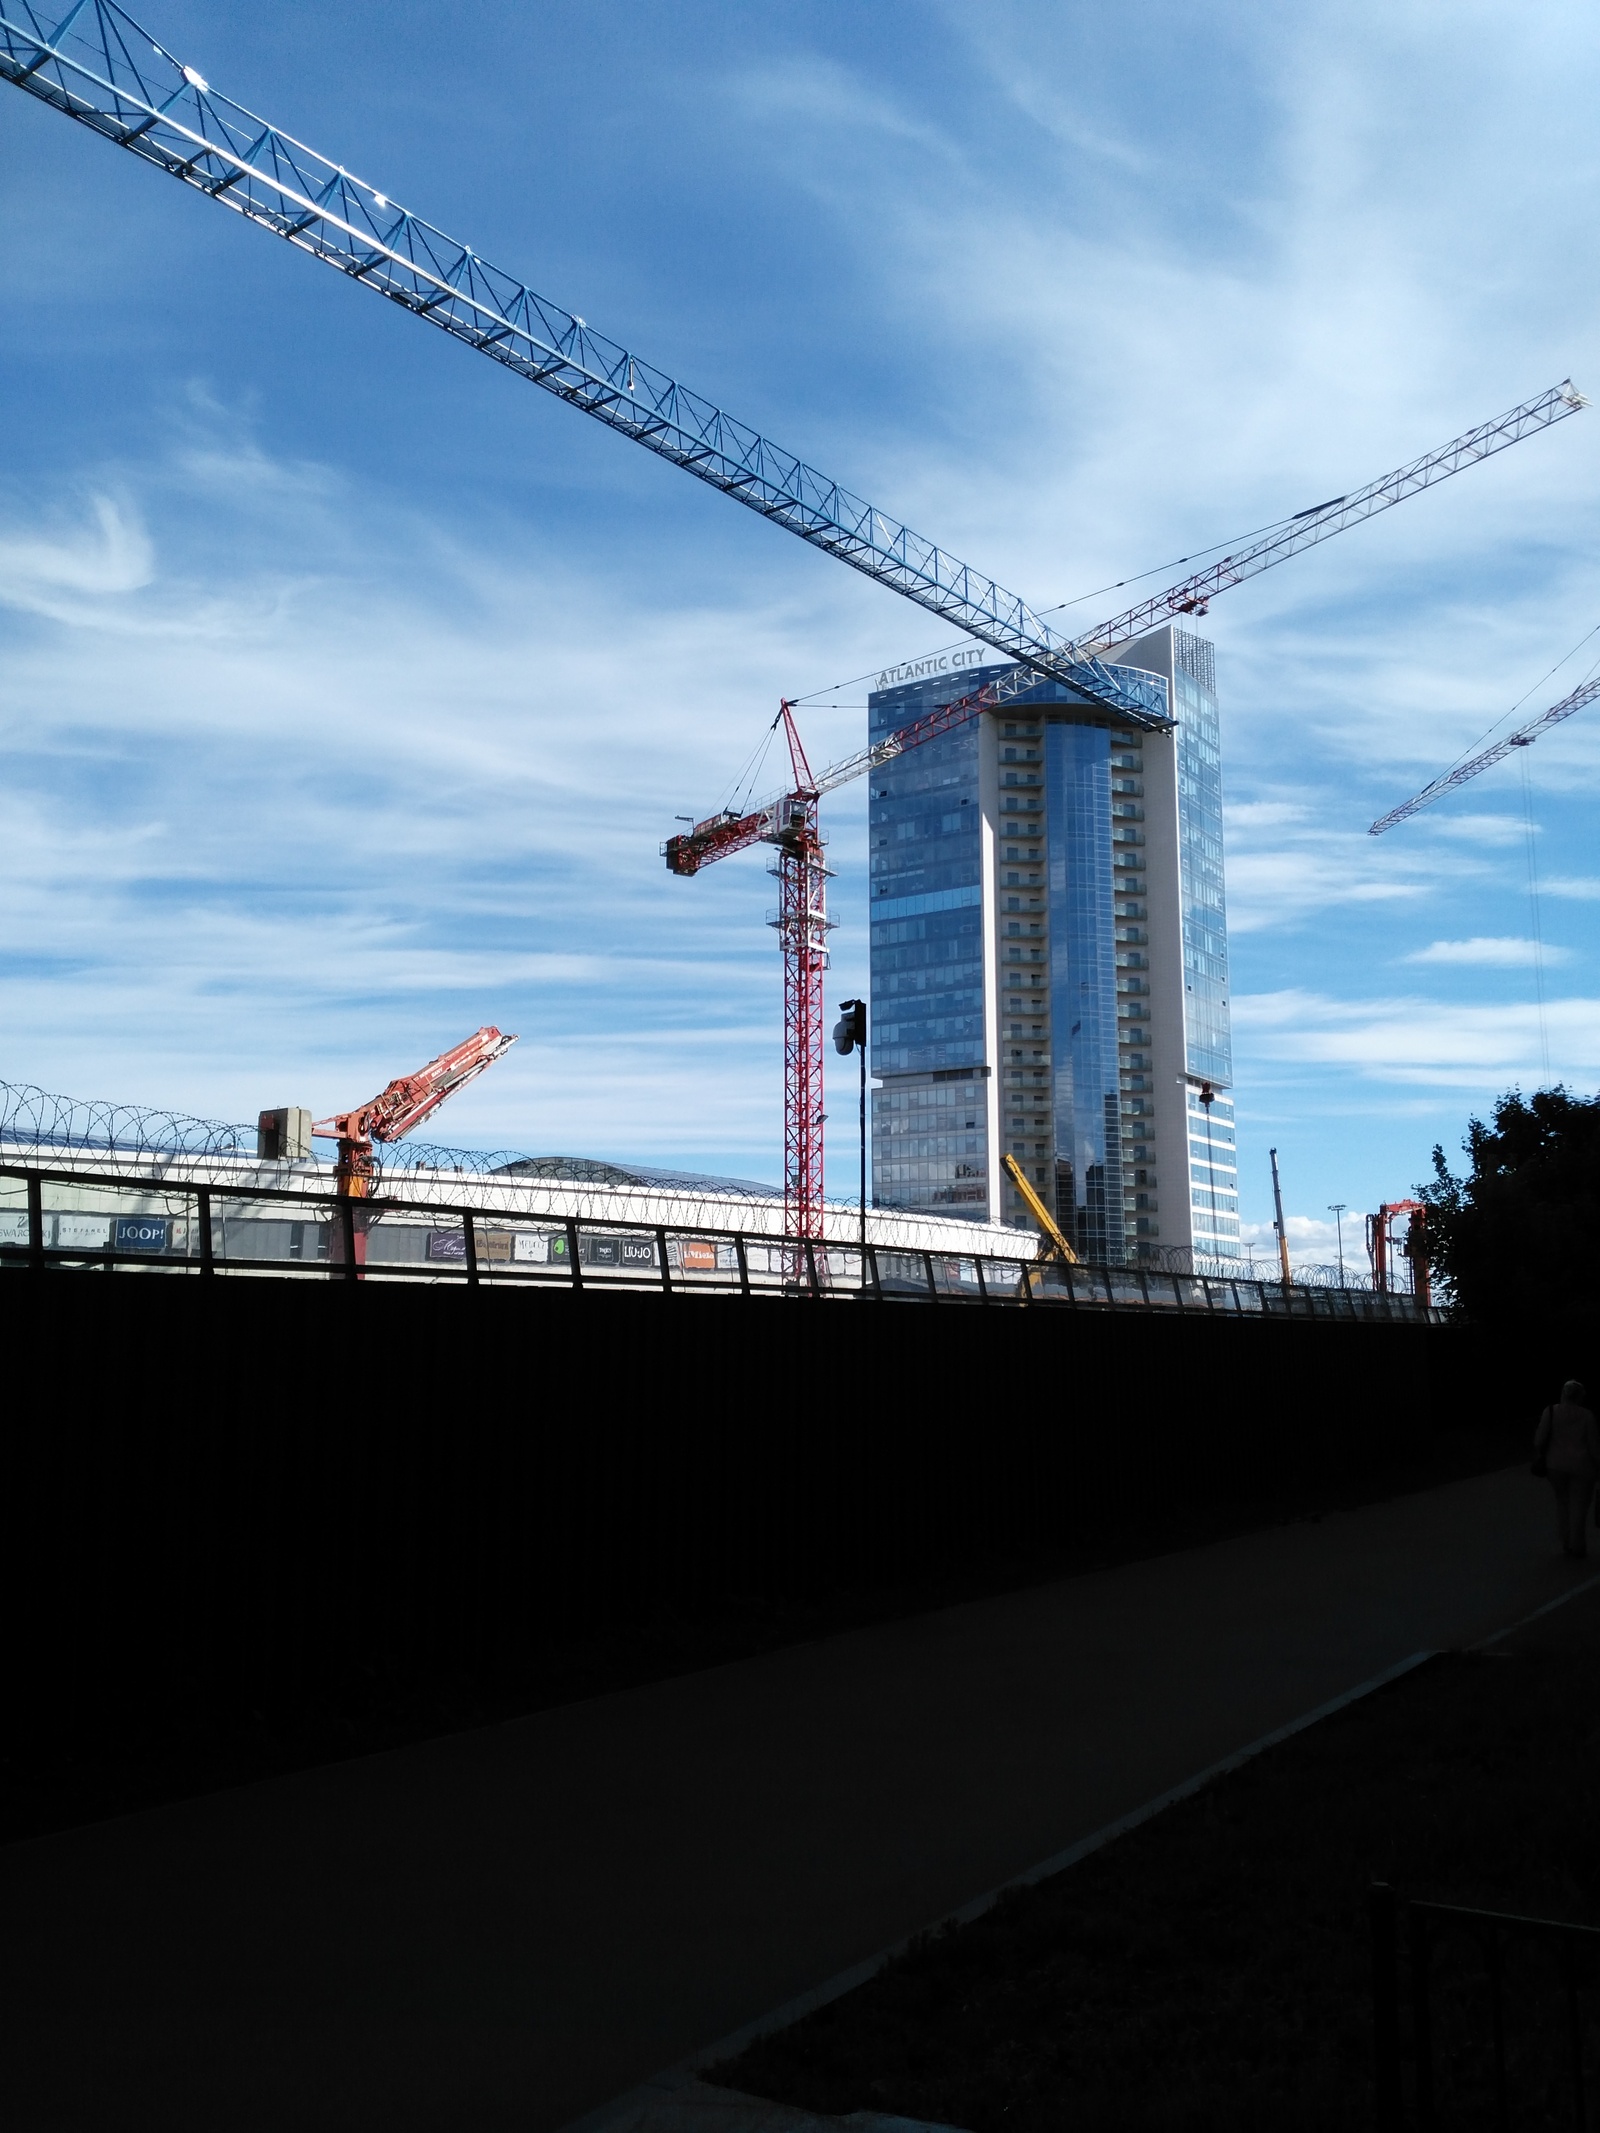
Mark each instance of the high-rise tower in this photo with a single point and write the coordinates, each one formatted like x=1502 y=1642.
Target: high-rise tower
x=1050 y=963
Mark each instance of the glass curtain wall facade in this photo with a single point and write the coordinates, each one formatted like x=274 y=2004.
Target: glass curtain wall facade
x=929 y=1129
x=1087 y=1140
x=1205 y=905
x=1050 y=963
x=1189 y=1205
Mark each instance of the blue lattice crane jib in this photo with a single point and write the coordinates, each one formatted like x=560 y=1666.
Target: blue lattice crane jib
x=97 y=65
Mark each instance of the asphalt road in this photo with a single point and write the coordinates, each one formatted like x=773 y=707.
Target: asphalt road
x=507 y=1928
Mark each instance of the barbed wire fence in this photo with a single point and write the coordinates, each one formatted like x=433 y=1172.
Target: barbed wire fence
x=32 y=1117
x=37 y=1120
x=40 y=1121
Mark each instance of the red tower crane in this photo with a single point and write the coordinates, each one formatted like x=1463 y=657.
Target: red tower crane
x=790 y=824
x=403 y=1105
x=791 y=821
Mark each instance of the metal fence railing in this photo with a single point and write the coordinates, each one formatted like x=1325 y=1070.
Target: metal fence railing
x=92 y=1220
x=1575 y=1951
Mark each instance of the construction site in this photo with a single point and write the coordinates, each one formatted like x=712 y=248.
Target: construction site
x=409 y=1445
x=1049 y=1019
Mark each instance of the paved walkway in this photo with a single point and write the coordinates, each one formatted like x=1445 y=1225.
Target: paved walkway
x=507 y=1928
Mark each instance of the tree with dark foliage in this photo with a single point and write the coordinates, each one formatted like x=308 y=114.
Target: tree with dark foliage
x=1518 y=1238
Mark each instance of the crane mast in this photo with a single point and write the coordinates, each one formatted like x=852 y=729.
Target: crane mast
x=794 y=829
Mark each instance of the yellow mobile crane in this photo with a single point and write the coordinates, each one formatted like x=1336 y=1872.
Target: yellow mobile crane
x=1052 y=1244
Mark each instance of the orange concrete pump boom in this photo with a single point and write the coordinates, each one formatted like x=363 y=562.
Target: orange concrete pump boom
x=404 y=1104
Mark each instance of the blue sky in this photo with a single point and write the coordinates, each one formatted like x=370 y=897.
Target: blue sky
x=348 y=685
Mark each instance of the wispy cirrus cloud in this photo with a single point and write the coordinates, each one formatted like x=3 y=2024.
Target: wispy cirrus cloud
x=68 y=571
x=366 y=706
x=1451 y=1044
x=1490 y=952
x=1494 y=830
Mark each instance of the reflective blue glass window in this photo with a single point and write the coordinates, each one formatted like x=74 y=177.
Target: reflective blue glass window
x=923 y=827
x=1083 y=990
x=1205 y=910
x=929 y=1123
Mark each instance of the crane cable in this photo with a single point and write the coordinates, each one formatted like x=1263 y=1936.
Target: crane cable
x=1195 y=556
x=1473 y=747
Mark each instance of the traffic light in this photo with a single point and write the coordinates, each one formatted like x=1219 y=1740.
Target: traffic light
x=851 y=1028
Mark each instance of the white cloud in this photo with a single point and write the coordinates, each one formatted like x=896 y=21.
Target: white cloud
x=301 y=771
x=305 y=850
x=1243 y=817
x=1505 y=953
x=44 y=564
x=1481 y=829
x=1450 y=1044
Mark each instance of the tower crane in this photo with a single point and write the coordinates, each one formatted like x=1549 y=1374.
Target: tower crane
x=1524 y=737
x=91 y=61
x=401 y=1107
x=790 y=820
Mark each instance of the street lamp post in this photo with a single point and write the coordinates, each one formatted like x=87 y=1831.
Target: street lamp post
x=1208 y=1096
x=850 y=1035
x=1336 y=1208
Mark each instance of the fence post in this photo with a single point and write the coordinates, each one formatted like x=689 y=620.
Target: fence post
x=933 y=1286
x=1421 y=2017
x=469 y=1231
x=811 y=1268
x=1385 y=2008
x=744 y=1266
x=573 y=1256
x=666 y=1271
x=202 y=1215
x=877 y=1279
x=35 y=1226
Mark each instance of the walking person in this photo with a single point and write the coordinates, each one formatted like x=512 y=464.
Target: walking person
x=1566 y=1447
